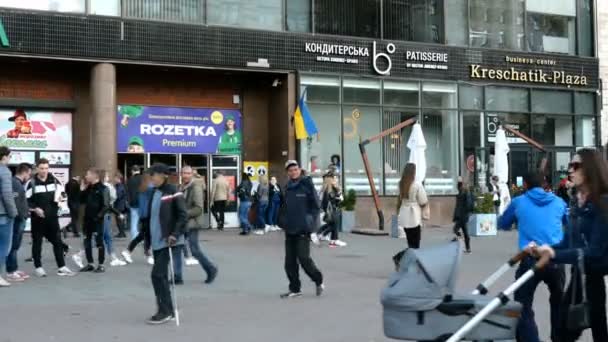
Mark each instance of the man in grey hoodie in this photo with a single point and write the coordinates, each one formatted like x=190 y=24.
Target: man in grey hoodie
x=23 y=174
x=8 y=210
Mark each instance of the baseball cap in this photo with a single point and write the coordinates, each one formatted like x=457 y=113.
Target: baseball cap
x=291 y=163
x=158 y=169
x=135 y=140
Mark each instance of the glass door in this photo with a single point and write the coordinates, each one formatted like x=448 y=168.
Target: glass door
x=518 y=165
x=229 y=166
x=127 y=160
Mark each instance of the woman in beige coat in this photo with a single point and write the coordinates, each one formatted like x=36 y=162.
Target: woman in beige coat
x=220 y=194
x=412 y=201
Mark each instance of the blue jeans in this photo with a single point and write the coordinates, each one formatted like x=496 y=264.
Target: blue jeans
x=198 y=253
x=273 y=211
x=178 y=262
x=262 y=210
x=243 y=215
x=134 y=216
x=107 y=233
x=6 y=238
x=11 y=260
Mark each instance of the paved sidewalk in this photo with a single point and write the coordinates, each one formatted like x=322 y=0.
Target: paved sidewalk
x=244 y=304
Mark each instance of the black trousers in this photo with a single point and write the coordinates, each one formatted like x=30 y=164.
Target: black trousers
x=596 y=297
x=93 y=227
x=297 y=252
x=218 y=211
x=160 y=281
x=74 y=216
x=554 y=277
x=143 y=235
x=459 y=226
x=330 y=228
x=46 y=228
x=413 y=237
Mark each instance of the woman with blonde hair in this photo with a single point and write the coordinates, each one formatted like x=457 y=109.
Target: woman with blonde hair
x=262 y=194
x=412 y=200
x=330 y=203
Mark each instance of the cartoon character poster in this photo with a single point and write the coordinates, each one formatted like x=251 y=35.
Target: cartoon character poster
x=36 y=130
x=152 y=129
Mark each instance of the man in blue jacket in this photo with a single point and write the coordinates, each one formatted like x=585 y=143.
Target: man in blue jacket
x=299 y=219
x=540 y=217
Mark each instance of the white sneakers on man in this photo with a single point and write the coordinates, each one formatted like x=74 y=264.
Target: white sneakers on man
x=65 y=272
x=40 y=272
x=127 y=256
x=77 y=259
x=116 y=262
x=191 y=261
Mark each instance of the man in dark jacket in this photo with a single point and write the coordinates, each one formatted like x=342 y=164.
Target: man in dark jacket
x=42 y=198
x=299 y=220
x=133 y=186
x=168 y=218
x=72 y=189
x=23 y=174
x=96 y=198
x=462 y=212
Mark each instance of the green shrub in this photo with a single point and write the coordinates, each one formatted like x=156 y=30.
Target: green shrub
x=350 y=200
x=484 y=203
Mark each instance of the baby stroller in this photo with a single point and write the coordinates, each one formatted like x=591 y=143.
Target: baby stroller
x=419 y=302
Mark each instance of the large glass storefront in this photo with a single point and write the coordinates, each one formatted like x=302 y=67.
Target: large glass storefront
x=459 y=122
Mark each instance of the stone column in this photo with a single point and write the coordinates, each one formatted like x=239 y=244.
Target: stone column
x=103 y=117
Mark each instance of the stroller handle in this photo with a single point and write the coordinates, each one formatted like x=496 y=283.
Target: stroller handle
x=517 y=258
x=483 y=287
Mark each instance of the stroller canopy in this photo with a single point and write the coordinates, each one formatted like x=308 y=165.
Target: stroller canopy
x=424 y=278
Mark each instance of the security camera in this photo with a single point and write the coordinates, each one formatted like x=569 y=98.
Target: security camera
x=276 y=83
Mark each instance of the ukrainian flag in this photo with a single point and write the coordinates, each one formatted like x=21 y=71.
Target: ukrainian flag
x=304 y=124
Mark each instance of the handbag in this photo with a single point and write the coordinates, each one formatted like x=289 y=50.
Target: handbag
x=579 y=317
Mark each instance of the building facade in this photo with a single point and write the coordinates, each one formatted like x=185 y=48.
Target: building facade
x=214 y=84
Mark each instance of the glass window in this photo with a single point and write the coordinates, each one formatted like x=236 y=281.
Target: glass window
x=585 y=131
x=585 y=28
x=316 y=153
x=68 y=6
x=456 y=22
x=105 y=7
x=396 y=153
x=471 y=97
x=507 y=99
x=496 y=24
x=520 y=122
x=401 y=93
x=298 y=15
x=584 y=103
x=551 y=25
x=413 y=20
x=472 y=129
x=257 y=14
x=361 y=122
x=360 y=18
x=552 y=131
x=551 y=101
x=321 y=89
x=361 y=91
x=439 y=95
x=440 y=128
x=190 y=11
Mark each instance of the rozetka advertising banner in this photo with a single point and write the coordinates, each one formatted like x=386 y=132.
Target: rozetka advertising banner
x=35 y=130
x=151 y=129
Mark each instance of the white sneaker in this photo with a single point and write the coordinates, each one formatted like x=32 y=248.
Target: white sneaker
x=340 y=243
x=78 y=260
x=323 y=238
x=314 y=238
x=127 y=256
x=117 y=262
x=267 y=229
x=14 y=277
x=40 y=272
x=65 y=272
x=191 y=262
x=151 y=260
x=4 y=283
x=259 y=232
x=276 y=228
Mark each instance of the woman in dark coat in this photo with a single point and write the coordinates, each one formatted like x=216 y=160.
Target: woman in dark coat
x=462 y=212
x=586 y=243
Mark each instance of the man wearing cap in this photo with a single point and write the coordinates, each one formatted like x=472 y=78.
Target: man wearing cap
x=168 y=218
x=299 y=220
x=136 y=145
x=21 y=124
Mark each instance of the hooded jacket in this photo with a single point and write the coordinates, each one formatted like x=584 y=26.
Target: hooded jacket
x=540 y=217
x=301 y=207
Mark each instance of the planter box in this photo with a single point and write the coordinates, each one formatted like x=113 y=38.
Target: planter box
x=348 y=221
x=482 y=225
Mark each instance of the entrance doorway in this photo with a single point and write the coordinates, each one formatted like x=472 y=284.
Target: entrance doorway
x=206 y=165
